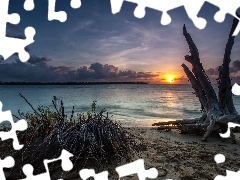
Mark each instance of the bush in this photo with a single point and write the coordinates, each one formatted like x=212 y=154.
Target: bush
x=91 y=136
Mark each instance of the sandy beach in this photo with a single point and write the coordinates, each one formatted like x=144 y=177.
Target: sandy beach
x=178 y=156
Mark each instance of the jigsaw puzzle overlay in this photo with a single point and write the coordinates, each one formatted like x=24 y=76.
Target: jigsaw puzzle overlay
x=9 y=46
x=192 y=8
x=219 y=158
x=136 y=167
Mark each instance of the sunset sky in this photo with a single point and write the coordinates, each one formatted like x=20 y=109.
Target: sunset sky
x=95 y=45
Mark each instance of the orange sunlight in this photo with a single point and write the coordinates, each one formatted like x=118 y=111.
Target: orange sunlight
x=169 y=78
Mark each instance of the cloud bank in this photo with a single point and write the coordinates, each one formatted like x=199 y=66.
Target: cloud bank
x=213 y=73
x=37 y=69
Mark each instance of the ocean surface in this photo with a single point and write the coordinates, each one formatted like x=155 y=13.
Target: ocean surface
x=131 y=104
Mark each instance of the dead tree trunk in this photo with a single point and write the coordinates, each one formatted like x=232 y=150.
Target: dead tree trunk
x=217 y=111
x=224 y=81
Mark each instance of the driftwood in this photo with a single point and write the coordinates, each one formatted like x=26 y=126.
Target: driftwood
x=217 y=110
x=186 y=126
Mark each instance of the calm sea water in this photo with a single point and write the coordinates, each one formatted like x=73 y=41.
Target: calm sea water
x=139 y=105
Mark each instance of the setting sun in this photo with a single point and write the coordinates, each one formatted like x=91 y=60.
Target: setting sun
x=169 y=78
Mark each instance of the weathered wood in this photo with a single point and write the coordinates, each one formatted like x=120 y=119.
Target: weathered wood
x=213 y=110
x=198 y=70
x=198 y=91
x=218 y=110
x=225 y=94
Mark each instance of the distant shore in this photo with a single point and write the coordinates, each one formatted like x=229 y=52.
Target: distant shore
x=67 y=83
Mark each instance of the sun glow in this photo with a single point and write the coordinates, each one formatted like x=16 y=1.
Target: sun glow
x=169 y=78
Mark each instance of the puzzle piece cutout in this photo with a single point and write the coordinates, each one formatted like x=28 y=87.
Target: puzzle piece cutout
x=9 y=45
x=192 y=8
x=230 y=125
x=61 y=15
x=236 y=89
x=164 y=6
x=87 y=173
x=67 y=165
x=137 y=167
x=75 y=4
x=52 y=14
x=219 y=158
x=230 y=175
x=20 y=125
x=8 y=162
x=29 y=5
x=226 y=7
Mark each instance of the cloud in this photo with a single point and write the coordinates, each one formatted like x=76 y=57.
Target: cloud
x=43 y=61
x=235 y=66
x=37 y=69
x=137 y=75
x=60 y=69
x=180 y=79
x=38 y=60
x=212 y=71
x=103 y=71
x=18 y=71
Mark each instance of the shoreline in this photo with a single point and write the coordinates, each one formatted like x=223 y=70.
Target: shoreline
x=178 y=156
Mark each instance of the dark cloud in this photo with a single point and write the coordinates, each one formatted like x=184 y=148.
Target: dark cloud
x=235 y=66
x=43 y=61
x=60 y=69
x=212 y=71
x=180 y=79
x=38 y=69
x=18 y=71
x=137 y=75
x=103 y=71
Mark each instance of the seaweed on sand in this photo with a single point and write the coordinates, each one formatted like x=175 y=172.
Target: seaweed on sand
x=94 y=136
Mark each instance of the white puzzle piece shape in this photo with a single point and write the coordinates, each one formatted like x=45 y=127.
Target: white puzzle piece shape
x=20 y=125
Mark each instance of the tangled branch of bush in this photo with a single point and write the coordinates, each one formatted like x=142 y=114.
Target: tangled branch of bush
x=93 y=135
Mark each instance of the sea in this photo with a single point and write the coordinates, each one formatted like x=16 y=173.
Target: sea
x=129 y=104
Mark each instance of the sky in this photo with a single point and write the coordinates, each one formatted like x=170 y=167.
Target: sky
x=95 y=45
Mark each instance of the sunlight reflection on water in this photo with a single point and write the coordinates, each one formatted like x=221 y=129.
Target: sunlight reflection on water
x=131 y=104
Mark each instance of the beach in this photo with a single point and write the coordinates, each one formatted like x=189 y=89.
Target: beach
x=137 y=107
x=178 y=156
